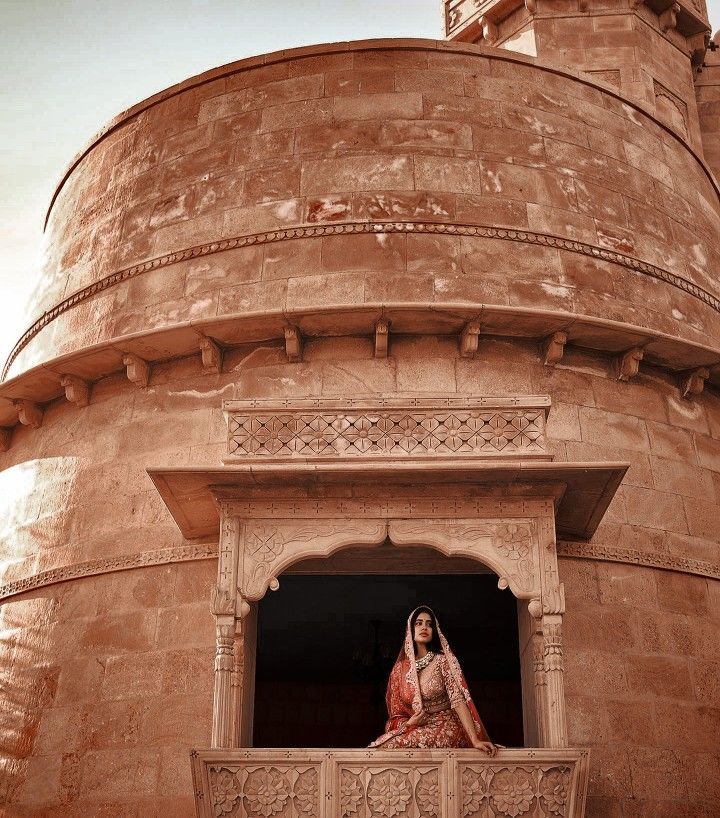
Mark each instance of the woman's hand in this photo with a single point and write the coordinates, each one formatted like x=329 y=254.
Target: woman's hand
x=487 y=747
x=416 y=719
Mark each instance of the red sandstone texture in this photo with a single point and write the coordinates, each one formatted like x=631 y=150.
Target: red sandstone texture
x=108 y=678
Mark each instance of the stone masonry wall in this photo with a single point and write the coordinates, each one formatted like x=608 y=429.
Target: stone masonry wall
x=111 y=676
x=376 y=132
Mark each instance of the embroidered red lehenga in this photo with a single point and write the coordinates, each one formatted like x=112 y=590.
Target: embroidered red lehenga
x=437 y=689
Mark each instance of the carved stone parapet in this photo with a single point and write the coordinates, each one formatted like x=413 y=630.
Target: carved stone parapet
x=29 y=413
x=390 y=783
x=382 y=330
x=5 y=438
x=553 y=347
x=293 y=344
x=385 y=428
x=211 y=355
x=77 y=391
x=628 y=364
x=469 y=339
x=693 y=383
x=138 y=370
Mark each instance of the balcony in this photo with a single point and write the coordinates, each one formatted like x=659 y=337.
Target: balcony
x=299 y=783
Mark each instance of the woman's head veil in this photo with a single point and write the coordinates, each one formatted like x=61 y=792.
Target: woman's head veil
x=407 y=652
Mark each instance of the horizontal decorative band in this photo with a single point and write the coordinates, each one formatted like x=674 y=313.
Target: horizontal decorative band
x=162 y=556
x=630 y=556
x=191 y=553
x=343 y=228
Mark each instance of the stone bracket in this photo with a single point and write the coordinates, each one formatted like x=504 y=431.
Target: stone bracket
x=627 y=364
x=293 y=344
x=29 y=413
x=382 y=329
x=692 y=383
x=553 y=347
x=77 y=391
x=211 y=354
x=138 y=370
x=469 y=339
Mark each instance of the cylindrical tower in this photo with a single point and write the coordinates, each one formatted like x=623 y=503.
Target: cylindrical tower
x=396 y=220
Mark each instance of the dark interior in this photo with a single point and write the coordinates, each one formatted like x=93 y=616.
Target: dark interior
x=326 y=645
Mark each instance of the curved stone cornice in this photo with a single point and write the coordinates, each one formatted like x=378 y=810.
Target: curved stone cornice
x=192 y=553
x=356 y=227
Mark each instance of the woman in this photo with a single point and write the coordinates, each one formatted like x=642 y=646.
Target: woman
x=428 y=701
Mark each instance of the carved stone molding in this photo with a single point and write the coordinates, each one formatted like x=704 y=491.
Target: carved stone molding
x=304 y=783
x=305 y=231
x=162 y=556
x=480 y=427
x=190 y=553
x=630 y=556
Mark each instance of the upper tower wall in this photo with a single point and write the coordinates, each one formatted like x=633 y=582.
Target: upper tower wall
x=397 y=173
x=649 y=50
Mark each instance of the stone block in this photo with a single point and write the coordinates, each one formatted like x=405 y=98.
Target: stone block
x=296 y=114
x=708 y=452
x=120 y=774
x=338 y=288
x=357 y=173
x=178 y=721
x=682 y=593
x=603 y=672
x=188 y=672
x=290 y=259
x=659 y=676
x=631 y=723
x=418 y=133
x=613 y=429
x=379 y=106
x=380 y=252
x=354 y=82
x=670 y=442
x=186 y=626
x=119 y=632
x=626 y=585
x=691 y=727
x=137 y=675
x=280 y=181
x=447 y=174
x=656 y=771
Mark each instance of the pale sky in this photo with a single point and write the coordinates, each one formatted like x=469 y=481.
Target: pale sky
x=68 y=66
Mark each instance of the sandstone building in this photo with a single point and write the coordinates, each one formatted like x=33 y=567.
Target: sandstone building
x=327 y=333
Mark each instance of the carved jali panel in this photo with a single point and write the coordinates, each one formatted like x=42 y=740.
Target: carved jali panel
x=477 y=427
x=264 y=791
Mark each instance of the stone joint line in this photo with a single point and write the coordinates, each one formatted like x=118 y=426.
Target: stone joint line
x=191 y=553
x=307 y=231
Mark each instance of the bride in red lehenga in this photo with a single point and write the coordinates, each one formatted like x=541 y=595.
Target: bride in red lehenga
x=428 y=701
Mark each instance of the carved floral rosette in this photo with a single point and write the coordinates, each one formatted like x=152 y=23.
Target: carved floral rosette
x=257 y=783
x=264 y=791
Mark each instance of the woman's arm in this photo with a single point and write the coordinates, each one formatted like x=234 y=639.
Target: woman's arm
x=468 y=724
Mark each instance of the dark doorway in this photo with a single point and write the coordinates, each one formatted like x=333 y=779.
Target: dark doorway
x=326 y=645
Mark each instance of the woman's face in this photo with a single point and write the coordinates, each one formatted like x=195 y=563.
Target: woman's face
x=423 y=628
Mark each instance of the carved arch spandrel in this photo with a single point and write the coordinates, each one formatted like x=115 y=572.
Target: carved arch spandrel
x=268 y=547
x=509 y=547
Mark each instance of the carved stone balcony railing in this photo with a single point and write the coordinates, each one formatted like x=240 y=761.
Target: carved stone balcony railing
x=300 y=783
x=385 y=429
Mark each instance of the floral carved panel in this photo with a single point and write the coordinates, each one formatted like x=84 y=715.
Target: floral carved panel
x=509 y=546
x=259 y=783
x=269 y=546
x=384 y=429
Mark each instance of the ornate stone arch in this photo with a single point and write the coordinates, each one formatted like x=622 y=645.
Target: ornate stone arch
x=479 y=484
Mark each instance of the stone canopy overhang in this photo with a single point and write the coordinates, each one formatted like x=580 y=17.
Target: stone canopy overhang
x=581 y=492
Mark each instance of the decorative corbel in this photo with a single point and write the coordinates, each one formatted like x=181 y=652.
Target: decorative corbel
x=381 y=338
x=490 y=30
x=469 y=339
x=668 y=18
x=212 y=355
x=628 y=364
x=693 y=382
x=138 y=369
x=77 y=391
x=5 y=438
x=293 y=344
x=29 y=413
x=553 y=347
x=531 y=6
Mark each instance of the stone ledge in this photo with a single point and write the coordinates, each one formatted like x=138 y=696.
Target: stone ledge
x=328 y=782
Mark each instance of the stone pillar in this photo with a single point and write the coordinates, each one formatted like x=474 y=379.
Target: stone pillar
x=224 y=731
x=554 y=719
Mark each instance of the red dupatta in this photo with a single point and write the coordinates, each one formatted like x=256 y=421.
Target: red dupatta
x=403 y=697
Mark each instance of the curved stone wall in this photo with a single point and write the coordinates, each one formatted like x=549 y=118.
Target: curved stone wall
x=111 y=673
x=417 y=173
x=210 y=200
